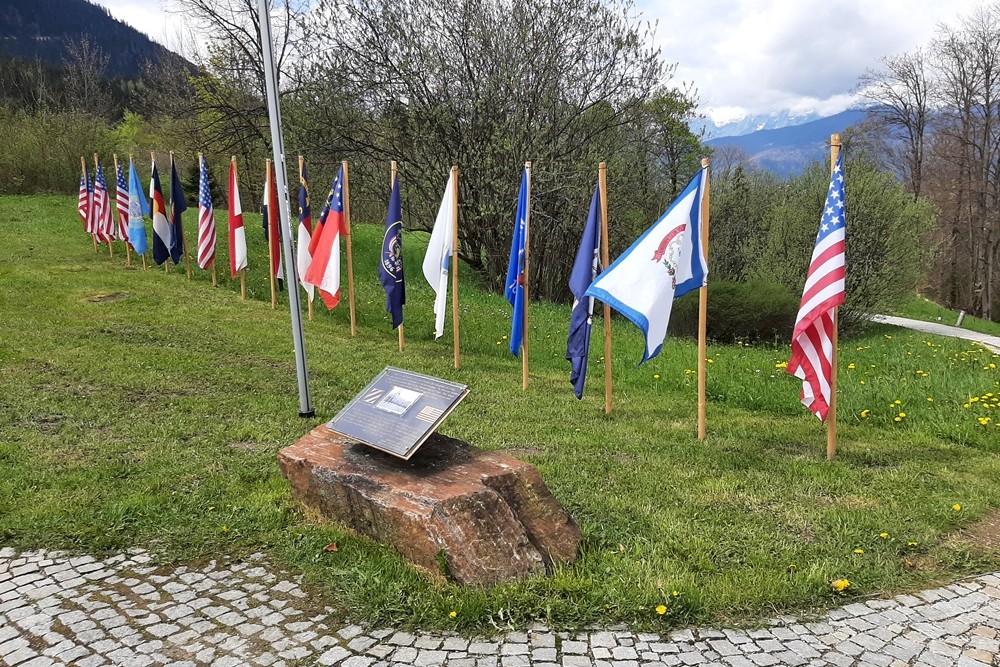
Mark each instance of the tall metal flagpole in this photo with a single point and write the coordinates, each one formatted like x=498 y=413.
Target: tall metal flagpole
x=281 y=182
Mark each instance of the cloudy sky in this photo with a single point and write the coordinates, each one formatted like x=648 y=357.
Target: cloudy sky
x=744 y=56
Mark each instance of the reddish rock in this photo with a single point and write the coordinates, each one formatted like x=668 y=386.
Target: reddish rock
x=489 y=515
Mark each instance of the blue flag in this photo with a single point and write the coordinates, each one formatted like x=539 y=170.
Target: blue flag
x=137 y=208
x=390 y=270
x=515 y=267
x=177 y=206
x=584 y=271
x=162 y=231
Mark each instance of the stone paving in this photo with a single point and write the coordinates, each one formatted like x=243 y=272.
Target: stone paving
x=991 y=342
x=60 y=610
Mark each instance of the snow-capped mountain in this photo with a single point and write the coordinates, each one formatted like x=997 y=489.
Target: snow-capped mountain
x=736 y=123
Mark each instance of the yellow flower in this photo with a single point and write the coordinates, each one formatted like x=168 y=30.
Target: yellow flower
x=973 y=399
x=957 y=507
x=967 y=406
x=676 y=594
x=930 y=399
x=661 y=609
x=781 y=364
x=850 y=367
x=902 y=414
x=225 y=529
x=897 y=419
x=656 y=376
x=983 y=421
x=865 y=413
x=792 y=567
x=884 y=536
x=911 y=543
x=897 y=402
x=859 y=551
x=862 y=382
x=711 y=361
x=453 y=614
x=840 y=585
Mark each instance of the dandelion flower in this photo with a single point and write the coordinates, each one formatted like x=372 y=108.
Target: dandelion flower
x=656 y=376
x=957 y=507
x=859 y=551
x=840 y=585
x=911 y=543
x=661 y=609
x=865 y=413
x=676 y=594
x=453 y=614
x=884 y=536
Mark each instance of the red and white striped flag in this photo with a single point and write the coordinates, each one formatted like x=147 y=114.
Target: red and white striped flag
x=122 y=201
x=237 y=235
x=83 y=201
x=206 y=219
x=102 y=208
x=813 y=338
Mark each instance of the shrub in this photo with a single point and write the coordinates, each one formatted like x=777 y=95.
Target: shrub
x=751 y=311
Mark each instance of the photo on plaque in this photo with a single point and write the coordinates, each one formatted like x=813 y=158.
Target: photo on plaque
x=398 y=400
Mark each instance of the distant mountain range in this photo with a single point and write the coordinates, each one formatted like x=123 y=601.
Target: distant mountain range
x=788 y=148
x=41 y=29
x=743 y=123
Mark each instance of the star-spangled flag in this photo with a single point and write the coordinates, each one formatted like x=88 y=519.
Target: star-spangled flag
x=437 y=261
x=237 y=234
x=269 y=219
x=102 y=206
x=390 y=269
x=812 y=339
x=177 y=206
x=324 y=247
x=137 y=208
x=206 y=218
x=585 y=269
x=667 y=261
x=83 y=200
x=121 y=232
x=514 y=290
x=163 y=238
x=303 y=258
x=91 y=211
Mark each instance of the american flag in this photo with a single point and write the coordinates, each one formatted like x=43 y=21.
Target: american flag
x=122 y=203
x=102 y=208
x=206 y=220
x=83 y=201
x=812 y=340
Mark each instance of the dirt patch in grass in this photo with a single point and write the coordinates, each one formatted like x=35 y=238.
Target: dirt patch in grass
x=984 y=534
x=522 y=452
x=104 y=298
x=248 y=446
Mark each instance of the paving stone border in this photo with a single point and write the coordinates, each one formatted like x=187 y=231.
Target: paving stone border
x=123 y=611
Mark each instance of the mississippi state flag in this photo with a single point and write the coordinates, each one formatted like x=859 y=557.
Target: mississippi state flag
x=162 y=233
x=237 y=235
x=324 y=249
x=667 y=261
x=812 y=340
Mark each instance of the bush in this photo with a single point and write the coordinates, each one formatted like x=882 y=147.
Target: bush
x=752 y=311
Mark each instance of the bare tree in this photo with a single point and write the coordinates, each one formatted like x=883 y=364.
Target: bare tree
x=900 y=91
x=84 y=77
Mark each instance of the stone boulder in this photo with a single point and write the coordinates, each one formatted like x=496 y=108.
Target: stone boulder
x=489 y=516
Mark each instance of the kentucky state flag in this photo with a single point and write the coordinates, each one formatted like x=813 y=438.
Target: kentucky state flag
x=584 y=270
x=667 y=261
x=390 y=269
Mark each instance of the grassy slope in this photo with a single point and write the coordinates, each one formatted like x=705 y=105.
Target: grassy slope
x=919 y=308
x=154 y=420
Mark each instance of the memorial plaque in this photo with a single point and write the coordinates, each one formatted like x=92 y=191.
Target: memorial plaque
x=398 y=410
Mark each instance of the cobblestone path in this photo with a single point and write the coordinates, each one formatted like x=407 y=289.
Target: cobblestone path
x=58 y=610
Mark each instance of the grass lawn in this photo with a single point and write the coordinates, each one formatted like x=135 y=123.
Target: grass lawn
x=154 y=420
x=919 y=308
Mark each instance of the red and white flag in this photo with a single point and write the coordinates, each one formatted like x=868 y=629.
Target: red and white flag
x=206 y=218
x=84 y=199
x=102 y=208
x=122 y=201
x=324 y=270
x=237 y=235
x=812 y=340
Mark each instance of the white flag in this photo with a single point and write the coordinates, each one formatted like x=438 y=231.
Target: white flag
x=437 y=261
x=667 y=261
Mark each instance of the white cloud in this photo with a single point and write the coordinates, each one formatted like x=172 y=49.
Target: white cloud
x=759 y=56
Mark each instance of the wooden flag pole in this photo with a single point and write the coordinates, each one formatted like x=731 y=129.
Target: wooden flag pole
x=144 y=265
x=111 y=252
x=90 y=202
x=347 y=239
x=128 y=249
x=184 y=248
x=454 y=263
x=703 y=310
x=524 y=322
x=302 y=162
x=392 y=184
x=270 y=253
x=605 y=262
x=831 y=416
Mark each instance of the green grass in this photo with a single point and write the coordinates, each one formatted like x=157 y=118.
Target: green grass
x=154 y=420
x=919 y=308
